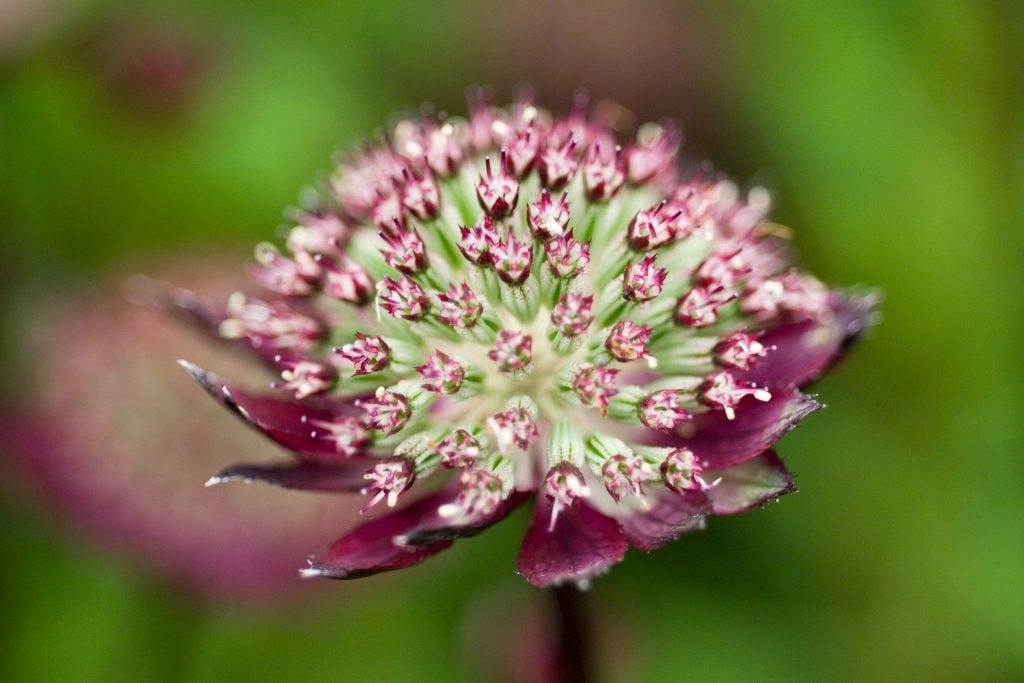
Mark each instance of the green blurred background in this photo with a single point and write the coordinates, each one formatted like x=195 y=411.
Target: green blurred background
x=893 y=137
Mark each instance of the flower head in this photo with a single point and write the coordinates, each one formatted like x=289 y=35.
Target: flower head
x=519 y=264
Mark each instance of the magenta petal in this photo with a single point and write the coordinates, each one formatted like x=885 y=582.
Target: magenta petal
x=346 y=475
x=183 y=304
x=437 y=528
x=749 y=485
x=720 y=443
x=803 y=351
x=583 y=544
x=671 y=515
x=380 y=545
x=286 y=421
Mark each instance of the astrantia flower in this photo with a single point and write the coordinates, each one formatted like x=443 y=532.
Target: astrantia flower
x=519 y=307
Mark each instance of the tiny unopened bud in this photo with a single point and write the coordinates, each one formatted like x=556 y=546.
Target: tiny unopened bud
x=662 y=410
x=441 y=373
x=387 y=411
x=557 y=164
x=388 y=211
x=522 y=148
x=402 y=298
x=567 y=257
x=573 y=314
x=459 y=307
x=547 y=218
x=721 y=270
x=512 y=260
x=317 y=233
x=459 y=450
x=367 y=354
x=690 y=213
x=681 y=471
x=404 y=250
x=499 y=193
x=595 y=385
x=420 y=195
x=643 y=281
x=603 y=176
x=435 y=143
x=513 y=427
x=347 y=281
x=281 y=274
x=651 y=228
x=443 y=150
x=512 y=351
x=476 y=242
x=627 y=341
x=699 y=307
x=624 y=475
x=653 y=154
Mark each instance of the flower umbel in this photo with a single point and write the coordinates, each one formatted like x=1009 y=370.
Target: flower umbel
x=528 y=306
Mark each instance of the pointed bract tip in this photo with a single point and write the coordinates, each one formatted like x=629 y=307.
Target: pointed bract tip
x=190 y=367
x=225 y=477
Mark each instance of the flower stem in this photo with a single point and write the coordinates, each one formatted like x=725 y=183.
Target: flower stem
x=573 y=656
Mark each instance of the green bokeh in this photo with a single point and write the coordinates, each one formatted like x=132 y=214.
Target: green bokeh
x=892 y=135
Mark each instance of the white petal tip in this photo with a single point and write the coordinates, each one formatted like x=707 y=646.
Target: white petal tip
x=190 y=367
